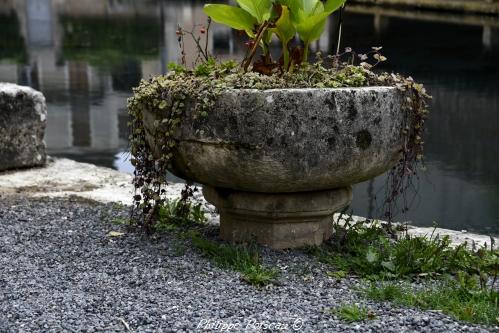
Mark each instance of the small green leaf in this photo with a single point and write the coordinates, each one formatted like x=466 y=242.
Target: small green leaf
x=284 y=27
x=310 y=18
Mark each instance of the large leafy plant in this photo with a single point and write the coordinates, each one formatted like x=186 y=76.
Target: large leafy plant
x=263 y=19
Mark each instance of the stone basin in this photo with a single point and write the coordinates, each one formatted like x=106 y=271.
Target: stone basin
x=287 y=157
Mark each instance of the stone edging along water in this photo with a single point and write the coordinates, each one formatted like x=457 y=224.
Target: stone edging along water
x=63 y=178
x=465 y=6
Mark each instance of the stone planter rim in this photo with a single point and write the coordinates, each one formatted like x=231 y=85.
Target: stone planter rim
x=311 y=89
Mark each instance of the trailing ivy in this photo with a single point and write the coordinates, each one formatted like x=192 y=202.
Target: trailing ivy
x=169 y=95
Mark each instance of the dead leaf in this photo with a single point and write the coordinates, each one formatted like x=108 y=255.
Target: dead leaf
x=263 y=67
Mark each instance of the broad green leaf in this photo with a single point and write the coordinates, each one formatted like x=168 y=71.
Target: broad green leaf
x=312 y=28
x=259 y=9
x=299 y=16
x=231 y=16
x=332 y=5
x=310 y=6
x=284 y=28
x=310 y=19
x=294 y=7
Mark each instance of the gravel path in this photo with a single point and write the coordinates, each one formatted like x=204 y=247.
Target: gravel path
x=60 y=271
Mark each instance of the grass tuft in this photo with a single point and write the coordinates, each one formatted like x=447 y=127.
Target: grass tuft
x=459 y=281
x=243 y=259
x=177 y=213
x=121 y=221
x=373 y=251
x=352 y=313
x=473 y=305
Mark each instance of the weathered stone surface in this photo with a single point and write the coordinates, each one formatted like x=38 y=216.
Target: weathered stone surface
x=280 y=220
x=23 y=116
x=291 y=140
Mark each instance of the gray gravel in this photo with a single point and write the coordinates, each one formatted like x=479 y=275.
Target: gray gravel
x=60 y=271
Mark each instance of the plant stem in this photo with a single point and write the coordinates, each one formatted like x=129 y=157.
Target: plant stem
x=340 y=28
x=285 y=53
x=207 y=37
x=305 y=52
x=258 y=38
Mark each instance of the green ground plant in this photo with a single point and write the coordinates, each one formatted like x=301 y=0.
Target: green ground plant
x=461 y=301
x=188 y=220
x=352 y=313
x=175 y=213
x=377 y=250
x=121 y=221
x=457 y=280
x=243 y=259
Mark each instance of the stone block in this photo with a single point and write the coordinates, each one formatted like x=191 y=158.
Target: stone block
x=23 y=115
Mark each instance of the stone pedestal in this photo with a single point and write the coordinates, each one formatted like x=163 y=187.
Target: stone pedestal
x=277 y=220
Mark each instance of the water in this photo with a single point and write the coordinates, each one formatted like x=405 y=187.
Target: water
x=85 y=56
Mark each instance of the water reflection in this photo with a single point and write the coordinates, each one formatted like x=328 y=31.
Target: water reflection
x=85 y=56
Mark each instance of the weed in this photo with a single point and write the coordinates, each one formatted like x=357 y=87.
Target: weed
x=337 y=274
x=243 y=259
x=456 y=280
x=352 y=313
x=384 y=291
x=463 y=302
x=118 y=206
x=375 y=251
x=177 y=213
x=121 y=221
